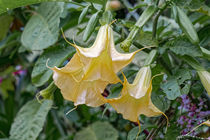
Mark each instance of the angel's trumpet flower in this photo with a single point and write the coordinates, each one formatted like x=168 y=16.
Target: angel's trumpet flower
x=205 y=79
x=135 y=98
x=90 y=70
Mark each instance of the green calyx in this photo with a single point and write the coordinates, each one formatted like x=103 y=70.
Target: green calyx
x=47 y=93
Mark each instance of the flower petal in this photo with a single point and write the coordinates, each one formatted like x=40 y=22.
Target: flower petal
x=80 y=92
x=205 y=79
x=131 y=107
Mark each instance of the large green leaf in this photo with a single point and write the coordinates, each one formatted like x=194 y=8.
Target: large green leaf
x=172 y=132
x=176 y=85
x=181 y=46
x=56 y=55
x=199 y=6
x=172 y=89
x=98 y=131
x=186 y=25
x=204 y=35
x=160 y=101
x=91 y=26
x=145 y=39
x=4 y=25
x=42 y=29
x=132 y=134
x=30 y=120
x=194 y=5
x=6 y=5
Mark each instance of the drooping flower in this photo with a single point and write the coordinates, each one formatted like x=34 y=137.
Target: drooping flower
x=135 y=98
x=205 y=79
x=90 y=70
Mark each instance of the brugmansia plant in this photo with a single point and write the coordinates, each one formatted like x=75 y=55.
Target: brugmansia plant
x=104 y=69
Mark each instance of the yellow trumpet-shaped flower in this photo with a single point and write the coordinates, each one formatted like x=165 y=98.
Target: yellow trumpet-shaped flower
x=135 y=98
x=90 y=70
x=205 y=79
x=141 y=83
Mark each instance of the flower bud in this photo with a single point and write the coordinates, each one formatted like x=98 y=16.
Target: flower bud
x=114 y=5
x=205 y=79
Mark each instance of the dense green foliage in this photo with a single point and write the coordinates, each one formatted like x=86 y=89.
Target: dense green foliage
x=31 y=41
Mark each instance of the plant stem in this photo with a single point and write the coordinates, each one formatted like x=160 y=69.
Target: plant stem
x=154 y=28
x=150 y=58
x=161 y=122
x=157 y=2
x=57 y=123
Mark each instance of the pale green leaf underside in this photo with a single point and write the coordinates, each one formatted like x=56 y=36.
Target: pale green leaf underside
x=98 y=131
x=56 y=55
x=42 y=29
x=30 y=120
x=6 y=5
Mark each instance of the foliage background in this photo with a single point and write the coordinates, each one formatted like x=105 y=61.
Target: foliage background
x=30 y=35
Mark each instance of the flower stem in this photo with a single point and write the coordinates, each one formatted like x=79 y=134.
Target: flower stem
x=154 y=28
x=145 y=16
x=150 y=58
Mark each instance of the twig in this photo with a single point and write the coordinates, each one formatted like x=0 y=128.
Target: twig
x=154 y=28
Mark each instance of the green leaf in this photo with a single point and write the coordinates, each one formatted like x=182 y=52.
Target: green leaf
x=172 y=132
x=6 y=5
x=182 y=75
x=6 y=86
x=171 y=88
x=193 y=62
x=6 y=20
x=199 y=6
x=83 y=14
x=97 y=1
x=206 y=53
x=186 y=89
x=186 y=25
x=145 y=39
x=41 y=74
x=146 y=15
x=151 y=57
x=91 y=26
x=176 y=85
x=98 y=131
x=160 y=101
x=134 y=131
x=157 y=80
x=194 y=5
x=204 y=35
x=106 y=18
x=42 y=29
x=30 y=120
x=181 y=46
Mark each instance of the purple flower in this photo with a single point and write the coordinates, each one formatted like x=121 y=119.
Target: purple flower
x=195 y=114
x=201 y=102
x=204 y=113
x=180 y=121
x=193 y=108
x=191 y=114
